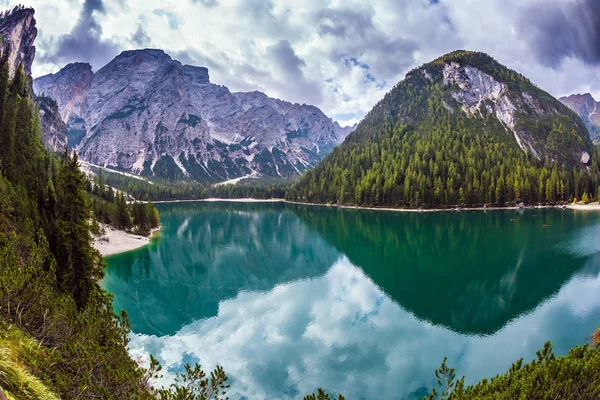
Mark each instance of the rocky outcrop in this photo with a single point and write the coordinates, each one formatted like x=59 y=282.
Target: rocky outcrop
x=67 y=87
x=480 y=94
x=588 y=109
x=18 y=31
x=54 y=130
x=148 y=114
x=476 y=89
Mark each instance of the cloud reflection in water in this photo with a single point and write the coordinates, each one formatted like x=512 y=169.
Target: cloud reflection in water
x=340 y=330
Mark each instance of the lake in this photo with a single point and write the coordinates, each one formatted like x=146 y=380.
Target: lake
x=288 y=298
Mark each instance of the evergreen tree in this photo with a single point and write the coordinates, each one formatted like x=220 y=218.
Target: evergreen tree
x=77 y=267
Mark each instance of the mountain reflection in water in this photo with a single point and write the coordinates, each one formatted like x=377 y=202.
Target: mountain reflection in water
x=289 y=298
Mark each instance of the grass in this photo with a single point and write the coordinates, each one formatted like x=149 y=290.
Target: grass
x=18 y=356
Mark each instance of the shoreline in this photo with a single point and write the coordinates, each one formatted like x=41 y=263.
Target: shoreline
x=584 y=207
x=212 y=199
x=431 y=210
x=580 y=207
x=117 y=241
x=121 y=242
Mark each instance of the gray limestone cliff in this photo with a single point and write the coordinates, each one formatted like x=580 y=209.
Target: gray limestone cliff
x=148 y=114
x=588 y=109
x=18 y=31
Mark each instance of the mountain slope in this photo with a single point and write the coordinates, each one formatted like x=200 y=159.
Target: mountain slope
x=18 y=31
x=588 y=109
x=462 y=129
x=148 y=114
x=54 y=130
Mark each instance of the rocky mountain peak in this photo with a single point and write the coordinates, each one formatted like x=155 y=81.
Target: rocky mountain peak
x=583 y=103
x=140 y=55
x=588 y=109
x=480 y=87
x=196 y=74
x=66 y=87
x=155 y=61
x=18 y=31
x=148 y=114
x=77 y=68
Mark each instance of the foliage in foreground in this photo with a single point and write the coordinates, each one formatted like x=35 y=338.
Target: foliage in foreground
x=16 y=352
x=49 y=269
x=574 y=376
x=193 y=384
x=321 y=395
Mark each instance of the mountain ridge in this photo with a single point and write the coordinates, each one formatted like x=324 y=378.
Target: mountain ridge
x=151 y=115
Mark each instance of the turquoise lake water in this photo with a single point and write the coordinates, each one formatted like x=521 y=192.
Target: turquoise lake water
x=289 y=298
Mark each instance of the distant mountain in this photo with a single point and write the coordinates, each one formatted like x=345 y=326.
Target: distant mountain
x=462 y=129
x=589 y=111
x=148 y=114
x=18 y=31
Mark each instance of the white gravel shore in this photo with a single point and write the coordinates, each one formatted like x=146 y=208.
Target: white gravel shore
x=117 y=241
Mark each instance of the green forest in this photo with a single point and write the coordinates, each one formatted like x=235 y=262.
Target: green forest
x=161 y=190
x=111 y=207
x=417 y=149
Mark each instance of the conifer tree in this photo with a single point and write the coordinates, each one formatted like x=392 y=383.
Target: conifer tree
x=77 y=269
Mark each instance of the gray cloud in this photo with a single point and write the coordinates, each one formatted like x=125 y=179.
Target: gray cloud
x=285 y=57
x=173 y=20
x=206 y=3
x=346 y=23
x=290 y=66
x=140 y=38
x=235 y=76
x=556 y=31
x=341 y=57
x=359 y=38
x=84 y=42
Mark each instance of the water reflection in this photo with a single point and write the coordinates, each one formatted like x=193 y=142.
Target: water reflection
x=209 y=252
x=291 y=298
x=471 y=272
x=340 y=330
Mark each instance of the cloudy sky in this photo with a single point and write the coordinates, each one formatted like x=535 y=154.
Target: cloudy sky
x=342 y=56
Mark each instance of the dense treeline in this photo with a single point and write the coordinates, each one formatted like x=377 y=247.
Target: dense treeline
x=418 y=149
x=48 y=267
x=143 y=190
x=445 y=167
x=111 y=207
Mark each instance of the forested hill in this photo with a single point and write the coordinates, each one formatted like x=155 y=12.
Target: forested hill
x=461 y=130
